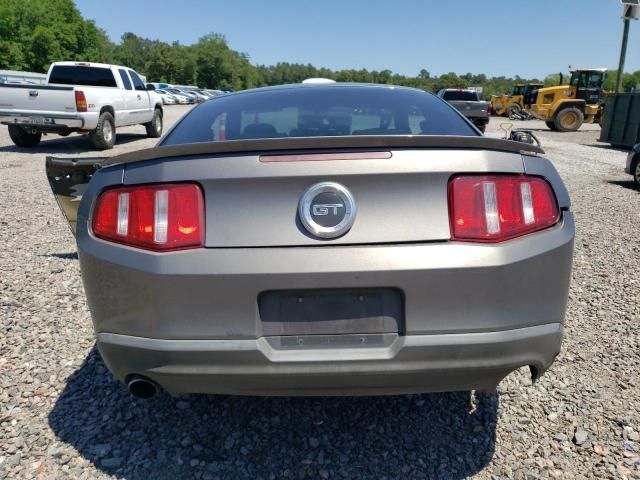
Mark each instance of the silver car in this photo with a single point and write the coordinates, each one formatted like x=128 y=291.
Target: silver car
x=329 y=239
x=167 y=99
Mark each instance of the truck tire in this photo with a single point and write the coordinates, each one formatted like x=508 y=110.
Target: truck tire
x=551 y=126
x=104 y=136
x=22 y=138
x=154 y=127
x=568 y=119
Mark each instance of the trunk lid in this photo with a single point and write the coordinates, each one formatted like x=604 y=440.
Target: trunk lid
x=36 y=100
x=254 y=203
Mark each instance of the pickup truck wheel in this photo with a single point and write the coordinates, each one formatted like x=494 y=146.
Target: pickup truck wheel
x=22 y=138
x=154 y=127
x=568 y=119
x=551 y=126
x=104 y=136
x=636 y=173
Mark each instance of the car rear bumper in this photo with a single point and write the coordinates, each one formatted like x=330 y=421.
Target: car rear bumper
x=401 y=364
x=191 y=320
x=50 y=122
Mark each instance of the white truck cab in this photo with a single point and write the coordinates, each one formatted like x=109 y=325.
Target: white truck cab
x=90 y=98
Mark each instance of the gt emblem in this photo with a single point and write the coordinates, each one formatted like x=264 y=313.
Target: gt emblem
x=327 y=210
x=323 y=209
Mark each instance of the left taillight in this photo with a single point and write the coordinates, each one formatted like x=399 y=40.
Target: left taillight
x=494 y=208
x=81 y=101
x=161 y=217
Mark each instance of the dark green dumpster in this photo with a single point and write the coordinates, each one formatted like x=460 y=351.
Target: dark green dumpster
x=621 y=122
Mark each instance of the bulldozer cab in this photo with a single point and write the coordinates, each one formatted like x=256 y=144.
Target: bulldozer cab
x=529 y=93
x=517 y=89
x=531 y=87
x=588 y=85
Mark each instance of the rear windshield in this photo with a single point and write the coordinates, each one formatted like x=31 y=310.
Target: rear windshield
x=463 y=95
x=317 y=111
x=79 y=75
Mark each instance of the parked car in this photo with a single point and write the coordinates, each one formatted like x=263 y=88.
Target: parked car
x=180 y=98
x=322 y=240
x=633 y=164
x=159 y=86
x=469 y=104
x=200 y=96
x=167 y=98
x=91 y=98
x=176 y=91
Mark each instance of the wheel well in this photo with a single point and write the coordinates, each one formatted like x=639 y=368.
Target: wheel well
x=108 y=109
x=159 y=107
x=572 y=104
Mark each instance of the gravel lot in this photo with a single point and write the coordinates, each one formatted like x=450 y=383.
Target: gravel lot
x=62 y=415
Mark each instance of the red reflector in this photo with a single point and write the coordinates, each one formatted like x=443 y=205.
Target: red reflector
x=154 y=217
x=81 y=101
x=494 y=208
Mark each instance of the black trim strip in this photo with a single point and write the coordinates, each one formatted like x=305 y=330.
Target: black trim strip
x=35 y=87
x=260 y=146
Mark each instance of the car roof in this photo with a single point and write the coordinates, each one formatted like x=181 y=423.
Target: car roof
x=87 y=64
x=324 y=86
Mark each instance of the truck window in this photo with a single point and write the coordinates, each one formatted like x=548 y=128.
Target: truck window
x=82 y=75
x=137 y=82
x=463 y=95
x=125 y=79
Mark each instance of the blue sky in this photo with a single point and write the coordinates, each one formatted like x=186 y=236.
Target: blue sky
x=403 y=36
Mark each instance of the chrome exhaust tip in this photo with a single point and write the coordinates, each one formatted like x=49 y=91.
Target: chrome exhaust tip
x=141 y=387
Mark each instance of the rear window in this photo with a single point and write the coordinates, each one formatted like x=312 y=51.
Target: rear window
x=317 y=111
x=79 y=75
x=463 y=95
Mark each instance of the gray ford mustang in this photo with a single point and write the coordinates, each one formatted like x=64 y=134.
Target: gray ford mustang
x=332 y=239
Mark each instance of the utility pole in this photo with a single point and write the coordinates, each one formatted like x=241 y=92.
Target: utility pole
x=630 y=11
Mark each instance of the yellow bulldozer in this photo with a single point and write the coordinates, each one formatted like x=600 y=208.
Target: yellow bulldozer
x=564 y=108
x=504 y=105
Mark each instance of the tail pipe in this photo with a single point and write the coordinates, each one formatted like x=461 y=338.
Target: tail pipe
x=142 y=387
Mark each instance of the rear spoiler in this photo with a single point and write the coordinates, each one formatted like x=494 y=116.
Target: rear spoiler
x=68 y=179
x=322 y=143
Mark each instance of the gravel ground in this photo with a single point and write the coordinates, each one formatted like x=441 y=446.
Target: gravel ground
x=62 y=415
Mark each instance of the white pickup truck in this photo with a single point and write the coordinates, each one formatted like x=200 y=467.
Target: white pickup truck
x=90 y=98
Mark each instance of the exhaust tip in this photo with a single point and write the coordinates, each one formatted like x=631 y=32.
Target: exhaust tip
x=141 y=387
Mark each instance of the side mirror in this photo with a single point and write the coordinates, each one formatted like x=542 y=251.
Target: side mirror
x=150 y=87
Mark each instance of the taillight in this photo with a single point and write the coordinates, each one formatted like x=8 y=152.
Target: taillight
x=154 y=217
x=493 y=208
x=81 y=101
x=489 y=110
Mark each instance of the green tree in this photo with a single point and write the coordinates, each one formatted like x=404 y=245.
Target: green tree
x=34 y=33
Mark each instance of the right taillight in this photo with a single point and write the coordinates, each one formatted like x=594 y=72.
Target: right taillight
x=494 y=208
x=161 y=217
